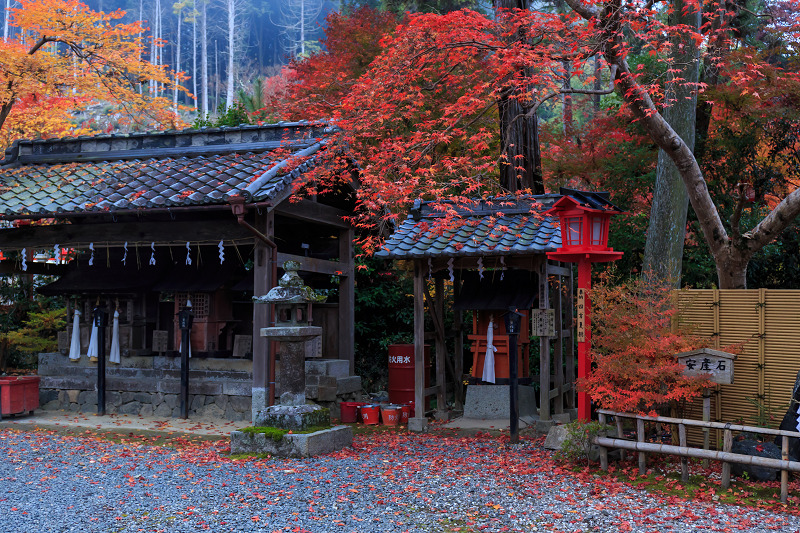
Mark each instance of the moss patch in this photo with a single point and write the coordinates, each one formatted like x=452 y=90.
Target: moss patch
x=277 y=434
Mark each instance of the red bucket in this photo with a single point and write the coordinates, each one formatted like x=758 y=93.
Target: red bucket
x=350 y=412
x=370 y=414
x=391 y=415
x=405 y=413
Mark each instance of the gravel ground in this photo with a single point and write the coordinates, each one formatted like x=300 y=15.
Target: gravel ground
x=387 y=483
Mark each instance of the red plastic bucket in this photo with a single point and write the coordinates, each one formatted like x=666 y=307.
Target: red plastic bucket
x=370 y=414
x=391 y=415
x=405 y=413
x=349 y=412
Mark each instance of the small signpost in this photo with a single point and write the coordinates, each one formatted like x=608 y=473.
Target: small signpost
x=714 y=364
x=544 y=322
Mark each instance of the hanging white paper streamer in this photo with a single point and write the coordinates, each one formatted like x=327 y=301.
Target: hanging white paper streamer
x=91 y=250
x=798 y=420
x=75 y=341
x=188 y=253
x=152 y=253
x=480 y=267
x=488 y=359
x=221 y=253
x=450 y=269
x=503 y=264
x=57 y=252
x=114 y=355
x=24 y=260
x=92 y=352
x=125 y=255
x=430 y=267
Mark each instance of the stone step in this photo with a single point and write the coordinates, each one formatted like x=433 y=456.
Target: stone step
x=339 y=368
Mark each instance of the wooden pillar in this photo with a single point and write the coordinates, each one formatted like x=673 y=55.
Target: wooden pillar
x=262 y=283
x=558 y=351
x=419 y=422
x=458 y=366
x=544 y=349
x=570 y=344
x=347 y=299
x=441 y=353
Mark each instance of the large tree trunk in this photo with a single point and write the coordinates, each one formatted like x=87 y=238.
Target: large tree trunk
x=520 y=153
x=177 y=63
x=663 y=251
x=204 y=57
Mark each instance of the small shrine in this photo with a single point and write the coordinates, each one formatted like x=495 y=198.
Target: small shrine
x=493 y=261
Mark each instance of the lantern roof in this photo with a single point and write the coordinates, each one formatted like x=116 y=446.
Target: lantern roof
x=585 y=200
x=503 y=226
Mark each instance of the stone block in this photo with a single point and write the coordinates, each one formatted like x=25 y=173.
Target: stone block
x=73 y=407
x=171 y=400
x=322 y=381
x=128 y=397
x=245 y=388
x=53 y=405
x=337 y=368
x=47 y=396
x=295 y=417
x=417 y=424
x=294 y=445
x=143 y=397
x=240 y=404
x=196 y=402
x=561 y=418
x=210 y=411
x=72 y=395
x=211 y=399
x=543 y=426
x=147 y=410
x=555 y=438
x=113 y=398
x=488 y=402
x=130 y=408
x=221 y=401
x=348 y=385
x=163 y=411
x=87 y=397
x=326 y=394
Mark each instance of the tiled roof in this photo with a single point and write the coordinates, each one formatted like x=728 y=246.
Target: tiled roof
x=503 y=229
x=165 y=169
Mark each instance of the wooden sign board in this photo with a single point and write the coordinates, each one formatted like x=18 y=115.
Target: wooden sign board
x=544 y=322
x=242 y=345
x=64 y=340
x=160 y=339
x=714 y=364
x=581 y=308
x=314 y=348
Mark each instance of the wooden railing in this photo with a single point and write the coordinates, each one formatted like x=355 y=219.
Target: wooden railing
x=684 y=451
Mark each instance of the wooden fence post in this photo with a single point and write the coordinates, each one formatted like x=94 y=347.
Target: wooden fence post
x=603 y=450
x=619 y=436
x=684 y=459
x=727 y=443
x=784 y=473
x=640 y=438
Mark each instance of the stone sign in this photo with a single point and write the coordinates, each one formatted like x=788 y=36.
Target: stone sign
x=242 y=345
x=717 y=365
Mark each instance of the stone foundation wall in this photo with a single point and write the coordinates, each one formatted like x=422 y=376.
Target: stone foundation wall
x=149 y=386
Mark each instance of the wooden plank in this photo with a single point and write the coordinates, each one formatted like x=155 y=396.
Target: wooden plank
x=116 y=234
x=558 y=352
x=419 y=346
x=311 y=211
x=544 y=349
x=262 y=283
x=320 y=266
x=441 y=348
x=347 y=291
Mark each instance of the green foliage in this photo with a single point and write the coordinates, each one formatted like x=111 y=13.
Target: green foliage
x=28 y=322
x=236 y=115
x=578 y=444
x=384 y=315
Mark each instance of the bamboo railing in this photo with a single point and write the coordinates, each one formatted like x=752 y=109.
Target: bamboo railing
x=684 y=452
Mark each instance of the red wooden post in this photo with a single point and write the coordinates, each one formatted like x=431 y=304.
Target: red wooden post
x=584 y=341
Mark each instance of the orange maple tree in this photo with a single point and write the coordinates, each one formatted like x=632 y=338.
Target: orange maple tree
x=65 y=57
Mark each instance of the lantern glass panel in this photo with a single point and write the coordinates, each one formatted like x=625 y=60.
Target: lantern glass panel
x=574 y=231
x=598 y=232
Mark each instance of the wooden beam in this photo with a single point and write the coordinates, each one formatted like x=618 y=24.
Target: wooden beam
x=555 y=269
x=116 y=234
x=315 y=212
x=347 y=304
x=262 y=283
x=441 y=348
x=544 y=349
x=319 y=266
x=47 y=269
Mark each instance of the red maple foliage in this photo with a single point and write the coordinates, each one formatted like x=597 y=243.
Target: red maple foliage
x=636 y=333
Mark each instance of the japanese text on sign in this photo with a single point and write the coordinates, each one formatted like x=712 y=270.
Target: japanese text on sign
x=399 y=359
x=716 y=365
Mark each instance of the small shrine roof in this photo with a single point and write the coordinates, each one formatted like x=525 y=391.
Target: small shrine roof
x=105 y=173
x=495 y=227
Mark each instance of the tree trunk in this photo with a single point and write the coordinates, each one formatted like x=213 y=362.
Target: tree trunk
x=204 y=58
x=177 y=63
x=231 y=50
x=663 y=252
x=194 y=55
x=520 y=152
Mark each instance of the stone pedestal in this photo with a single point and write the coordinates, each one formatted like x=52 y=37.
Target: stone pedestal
x=489 y=402
x=292 y=386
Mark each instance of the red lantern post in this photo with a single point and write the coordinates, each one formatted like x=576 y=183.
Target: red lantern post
x=584 y=219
